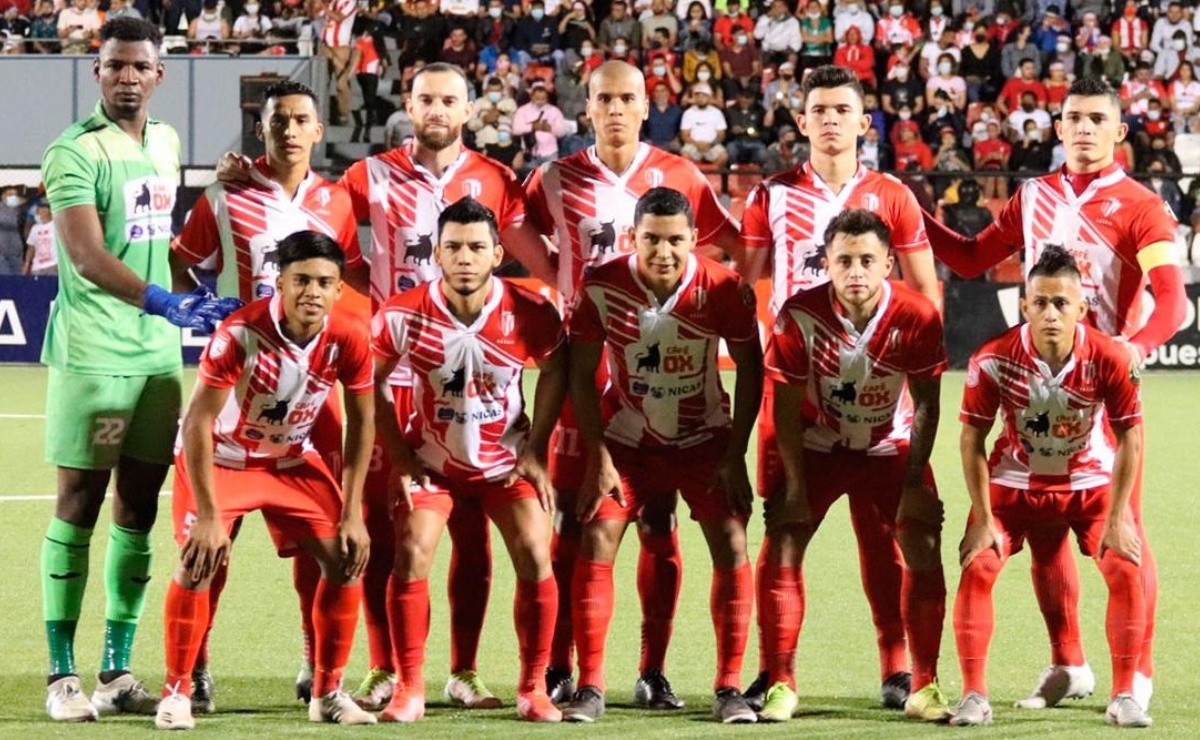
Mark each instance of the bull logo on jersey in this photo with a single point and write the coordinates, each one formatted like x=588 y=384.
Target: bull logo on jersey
x=654 y=177
x=846 y=392
x=1039 y=424
x=650 y=360
x=814 y=262
x=274 y=414
x=141 y=204
x=456 y=384
x=472 y=188
x=148 y=205
x=601 y=235
x=420 y=250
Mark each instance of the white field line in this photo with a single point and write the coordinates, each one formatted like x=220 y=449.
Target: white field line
x=22 y=416
x=52 y=497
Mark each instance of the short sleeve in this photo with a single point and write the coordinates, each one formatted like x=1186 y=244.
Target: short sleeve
x=200 y=238
x=388 y=334
x=928 y=346
x=711 y=214
x=356 y=183
x=347 y=235
x=1152 y=224
x=756 y=223
x=512 y=208
x=536 y=207
x=584 y=322
x=357 y=370
x=787 y=359
x=1122 y=391
x=70 y=176
x=223 y=359
x=981 y=395
x=908 y=227
x=545 y=329
x=738 y=312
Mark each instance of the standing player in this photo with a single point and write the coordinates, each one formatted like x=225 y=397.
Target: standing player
x=245 y=446
x=466 y=337
x=113 y=395
x=658 y=315
x=783 y=228
x=586 y=201
x=1121 y=235
x=238 y=226
x=857 y=367
x=1061 y=386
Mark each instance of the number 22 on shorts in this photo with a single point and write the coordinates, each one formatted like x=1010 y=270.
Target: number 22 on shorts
x=110 y=430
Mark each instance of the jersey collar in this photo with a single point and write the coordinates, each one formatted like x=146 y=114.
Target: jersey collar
x=439 y=182
x=1042 y=367
x=818 y=183
x=101 y=115
x=262 y=174
x=1102 y=179
x=863 y=338
x=689 y=273
x=276 y=311
x=494 y=296
x=619 y=178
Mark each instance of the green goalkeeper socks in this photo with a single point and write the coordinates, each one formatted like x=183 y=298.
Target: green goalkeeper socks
x=126 y=576
x=64 y=578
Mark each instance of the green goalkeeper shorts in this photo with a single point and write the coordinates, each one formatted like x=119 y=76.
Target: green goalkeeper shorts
x=92 y=420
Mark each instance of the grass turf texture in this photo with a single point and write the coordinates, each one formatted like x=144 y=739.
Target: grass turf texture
x=256 y=643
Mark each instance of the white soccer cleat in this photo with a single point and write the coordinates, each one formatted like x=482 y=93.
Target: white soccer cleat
x=338 y=707
x=175 y=713
x=66 y=702
x=1124 y=711
x=1060 y=682
x=467 y=689
x=124 y=695
x=1143 y=689
x=972 y=711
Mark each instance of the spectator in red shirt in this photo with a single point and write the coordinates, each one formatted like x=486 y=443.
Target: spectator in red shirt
x=1003 y=28
x=741 y=66
x=1056 y=88
x=1136 y=94
x=912 y=149
x=1130 y=33
x=1025 y=81
x=727 y=25
x=991 y=152
x=856 y=56
x=662 y=72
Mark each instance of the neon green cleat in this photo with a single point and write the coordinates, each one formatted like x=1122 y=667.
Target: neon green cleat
x=928 y=705
x=780 y=704
x=375 y=691
x=467 y=689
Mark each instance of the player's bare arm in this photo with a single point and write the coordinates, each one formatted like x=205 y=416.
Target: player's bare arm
x=527 y=246
x=405 y=465
x=207 y=546
x=354 y=545
x=601 y=478
x=981 y=531
x=181 y=275
x=920 y=274
x=917 y=502
x=358 y=277
x=547 y=404
x=792 y=508
x=82 y=237
x=1120 y=533
x=731 y=472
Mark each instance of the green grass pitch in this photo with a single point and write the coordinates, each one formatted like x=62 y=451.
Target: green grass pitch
x=256 y=644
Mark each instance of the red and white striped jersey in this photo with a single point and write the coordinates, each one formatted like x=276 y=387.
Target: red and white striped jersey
x=856 y=383
x=788 y=213
x=469 y=419
x=279 y=388
x=1104 y=228
x=588 y=208
x=239 y=226
x=339 y=33
x=1055 y=437
x=665 y=389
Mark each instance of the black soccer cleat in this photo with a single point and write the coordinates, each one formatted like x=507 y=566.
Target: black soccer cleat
x=653 y=691
x=756 y=693
x=895 y=690
x=586 y=706
x=731 y=708
x=304 y=683
x=203 y=689
x=560 y=686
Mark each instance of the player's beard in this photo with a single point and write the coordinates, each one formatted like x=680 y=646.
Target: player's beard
x=437 y=141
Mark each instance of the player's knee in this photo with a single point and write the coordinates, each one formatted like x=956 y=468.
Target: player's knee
x=984 y=568
x=726 y=543
x=184 y=578
x=786 y=544
x=920 y=543
x=599 y=540
x=414 y=559
x=1119 y=573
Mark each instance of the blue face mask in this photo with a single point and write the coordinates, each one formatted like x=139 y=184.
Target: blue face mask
x=504 y=137
x=538 y=14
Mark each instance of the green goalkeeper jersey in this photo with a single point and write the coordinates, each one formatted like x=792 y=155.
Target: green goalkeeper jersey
x=133 y=189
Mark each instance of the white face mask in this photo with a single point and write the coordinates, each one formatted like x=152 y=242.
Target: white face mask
x=942 y=111
x=968 y=26
x=741 y=40
x=495 y=12
x=494 y=96
x=852 y=9
x=704 y=76
x=944 y=68
x=1063 y=46
x=660 y=71
x=896 y=11
x=1035 y=135
x=1153 y=115
x=252 y=8
x=905 y=115
x=538 y=14
x=12 y=201
x=901 y=73
x=620 y=50
x=936 y=12
x=814 y=14
x=209 y=16
x=586 y=52
x=1179 y=44
x=980 y=136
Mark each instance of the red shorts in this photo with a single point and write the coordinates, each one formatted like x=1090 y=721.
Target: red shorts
x=1018 y=511
x=443 y=496
x=375 y=489
x=566 y=453
x=770 y=467
x=828 y=475
x=647 y=476
x=299 y=503
x=327 y=434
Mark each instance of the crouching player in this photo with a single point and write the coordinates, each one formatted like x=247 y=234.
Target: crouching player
x=262 y=382
x=660 y=314
x=845 y=359
x=1067 y=457
x=467 y=337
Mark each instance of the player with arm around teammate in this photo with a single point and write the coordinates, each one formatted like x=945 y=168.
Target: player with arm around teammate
x=245 y=446
x=1066 y=457
x=466 y=337
x=857 y=365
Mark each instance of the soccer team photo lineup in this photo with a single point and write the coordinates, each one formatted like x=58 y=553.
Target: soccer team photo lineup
x=432 y=347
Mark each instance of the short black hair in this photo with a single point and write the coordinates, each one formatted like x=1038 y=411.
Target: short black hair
x=445 y=67
x=1090 y=87
x=663 y=202
x=289 y=87
x=469 y=211
x=856 y=222
x=828 y=76
x=131 y=30
x=1055 y=261
x=306 y=245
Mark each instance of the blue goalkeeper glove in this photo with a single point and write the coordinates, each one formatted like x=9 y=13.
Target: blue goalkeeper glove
x=201 y=309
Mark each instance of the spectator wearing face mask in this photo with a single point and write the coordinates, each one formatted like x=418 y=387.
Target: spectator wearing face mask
x=660 y=16
x=576 y=27
x=1018 y=50
x=856 y=56
x=588 y=55
x=1025 y=81
x=621 y=26
x=1104 y=63
x=697 y=28
x=1130 y=32
x=897 y=27
x=489 y=112
x=1089 y=32
x=980 y=66
x=624 y=51
x=12 y=246
x=853 y=13
x=902 y=89
x=1003 y=28
x=731 y=23
x=746 y=141
x=905 y=121
x=778 y=32
x=493 y=31
x=990 y=151
x=741 y=65
x=947 y=80
x=874 y=152
x=1063 y=53
x=1168 y=26
x=702 y=130
x=41 y=254
x=542 y=124
x=1184 y=91
x=1027 y=112
x=783 y=89
x=506 y=149
x=1178 y=51
x=1167 y=189
x=662 y=124
x=251 y=26
x=662 y=72
x=935 y=49
x=816 y=36
x=941 y=116
x=1030 y=151
x=937 y=20
x=1136 y=94
x=912 y=153
x=701 y=57
x=536 y=38
x=1049 y=27
x=1057 y=86
x=1153 y=123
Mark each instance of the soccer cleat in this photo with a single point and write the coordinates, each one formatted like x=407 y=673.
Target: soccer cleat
x=560 y=687
x=66 y=702
x=338 y=707
x=124 y=695
x=1060 y=682
x=731 y=708
x=175 y=713
x=756 y=693
x=587 y=705
x=535 y=706
x=780 y=704
x=1124 y=711
x=203 y=689
x=404 y=707
x=653 y=691
x=467 y=689
x=376 y=690
x=304 y=683
x=928 y=705
x=1143 y=689
x=895 y=690
x=973 y=710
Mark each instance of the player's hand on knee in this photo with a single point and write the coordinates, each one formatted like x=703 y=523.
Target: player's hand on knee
x=530 y=467
x=400 y=483
x=732 y=478
x=920 y=505
x=234 y=168
x=980 y=536
x=354 y=545
x=601 y=480
x=1121 y=537
x=206 y=549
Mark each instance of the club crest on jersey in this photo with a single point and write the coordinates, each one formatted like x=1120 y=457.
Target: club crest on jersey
x=331 y=354
x=1111 y=206
x=1087 y=375
x=654 y=177
x=323 y=198
x=472 y=188
x=218 y=346
x=508 y=322
x=870 y=201
x=699 y=298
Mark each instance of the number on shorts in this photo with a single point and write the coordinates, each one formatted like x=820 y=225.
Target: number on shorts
x=110 y=431
x=376 y=458
x=568 y=442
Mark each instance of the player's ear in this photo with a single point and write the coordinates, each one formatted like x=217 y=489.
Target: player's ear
x=258 y=130
x=497 y=255
x=1025 y=306
x=864 y=123
x=1058 y=124
x=1122 y=131
x=96 y=69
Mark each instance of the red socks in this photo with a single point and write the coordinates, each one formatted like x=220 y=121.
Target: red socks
x=1149 y=571
x=306 y=575
x=881 y=568
x=659 y=576
x=215 y=587
x=334 y=618
x=923 y=602
x=533 y=617
x=1056 y=583
x=375 y=583
x=975 y=619
x=591 y=611
x=780 y=614
x=730 y=602
x=1125 y=621
x=563 y=551
x=408 y=613
x=186 y=620
x=470 y=582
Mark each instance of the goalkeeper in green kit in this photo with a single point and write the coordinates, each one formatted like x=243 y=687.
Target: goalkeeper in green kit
x=114 y=391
